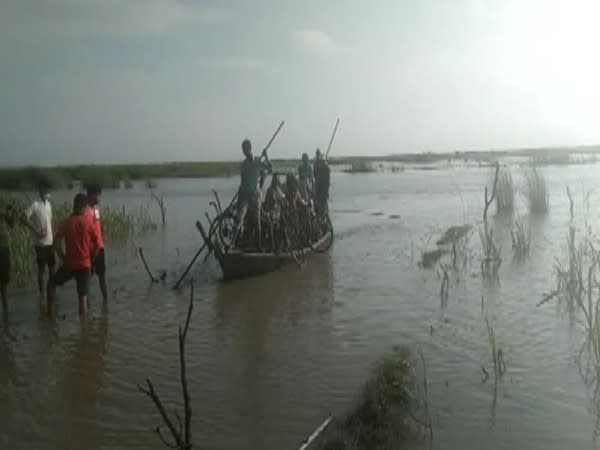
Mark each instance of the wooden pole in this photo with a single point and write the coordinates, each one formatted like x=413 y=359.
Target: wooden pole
x=332 y=137
x=264 y=152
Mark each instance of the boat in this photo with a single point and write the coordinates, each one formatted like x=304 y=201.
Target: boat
x=237 y=262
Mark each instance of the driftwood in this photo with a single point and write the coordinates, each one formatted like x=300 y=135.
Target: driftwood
x=180 y=434
x=489 y=200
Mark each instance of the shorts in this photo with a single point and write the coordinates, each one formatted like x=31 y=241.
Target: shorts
x=4 y=265
x=99 y=264
x=44 y=256
x=82 y=277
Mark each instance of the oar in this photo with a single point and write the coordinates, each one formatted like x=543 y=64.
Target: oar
x=332 y=137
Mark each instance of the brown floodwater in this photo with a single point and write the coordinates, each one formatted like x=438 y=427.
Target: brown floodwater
x=270 y=358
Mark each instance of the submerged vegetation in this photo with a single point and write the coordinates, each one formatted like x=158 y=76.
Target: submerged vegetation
x=536 y=191
x=387 y=411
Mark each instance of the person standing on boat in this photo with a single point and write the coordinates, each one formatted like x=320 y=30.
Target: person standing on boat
x=248 y=192
x=322 y=183
x=305 y=176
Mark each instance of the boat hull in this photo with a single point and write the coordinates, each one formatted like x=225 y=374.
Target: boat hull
x=237 y=264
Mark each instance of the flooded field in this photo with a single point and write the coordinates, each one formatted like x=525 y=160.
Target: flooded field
x=270 y=358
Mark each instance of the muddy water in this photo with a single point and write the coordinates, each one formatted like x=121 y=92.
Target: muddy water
x=269 y=358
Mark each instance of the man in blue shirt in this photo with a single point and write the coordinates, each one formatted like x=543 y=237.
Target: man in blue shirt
x=251 y=171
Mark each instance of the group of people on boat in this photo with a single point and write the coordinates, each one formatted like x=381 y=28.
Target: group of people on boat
x=306 y=190
x=77 y=242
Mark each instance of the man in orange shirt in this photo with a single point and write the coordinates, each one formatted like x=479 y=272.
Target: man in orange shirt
x=80 y=249
x=93 y=213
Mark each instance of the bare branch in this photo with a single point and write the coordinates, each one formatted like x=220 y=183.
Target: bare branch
x=186 y=395
x=141 y=252
x=490 y=200
x=163 y=439
x=150 y=392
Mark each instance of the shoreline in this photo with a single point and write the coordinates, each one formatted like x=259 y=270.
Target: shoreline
x=116 y=175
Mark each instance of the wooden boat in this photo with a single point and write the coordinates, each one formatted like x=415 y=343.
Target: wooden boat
x=238 y=263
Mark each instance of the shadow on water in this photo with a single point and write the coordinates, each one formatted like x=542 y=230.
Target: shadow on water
x=266 y=323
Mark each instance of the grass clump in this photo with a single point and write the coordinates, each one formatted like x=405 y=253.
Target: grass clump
x=536 y=191
x=521 y=240
x=386 y=411
x=505 y=192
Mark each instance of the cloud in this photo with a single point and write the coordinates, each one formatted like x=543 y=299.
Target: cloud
x=315 y=41
x=33 y=21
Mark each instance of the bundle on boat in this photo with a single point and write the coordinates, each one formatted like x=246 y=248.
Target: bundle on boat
x=250 y=237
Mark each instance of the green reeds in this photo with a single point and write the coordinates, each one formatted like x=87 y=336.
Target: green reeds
x=505 y=192
x=536 y=191
x=386 y=412
x=521 y=240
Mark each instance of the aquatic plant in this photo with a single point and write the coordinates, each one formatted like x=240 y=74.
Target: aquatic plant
x=387 y=410
x=492 y=259
x=151 y=184
x=536 y=191
x=430 y=258
x=457 y=238
x=505 y=192
x=160 y=201
x=521 y=240
x=497 y=354
x=181 y=434
x=487 y=197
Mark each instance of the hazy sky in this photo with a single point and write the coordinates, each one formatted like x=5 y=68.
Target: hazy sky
x=164 y=80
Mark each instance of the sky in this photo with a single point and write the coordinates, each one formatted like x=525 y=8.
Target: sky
x=114 y=81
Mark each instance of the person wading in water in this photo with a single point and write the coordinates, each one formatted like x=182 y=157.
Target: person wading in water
x=38 y=218
x=92 y=212
x=80 y=249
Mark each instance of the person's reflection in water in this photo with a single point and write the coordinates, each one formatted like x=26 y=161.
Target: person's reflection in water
x=269 y=320
x=83 y=375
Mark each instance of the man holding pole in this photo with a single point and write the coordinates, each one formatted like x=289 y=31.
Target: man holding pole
x=248 y=193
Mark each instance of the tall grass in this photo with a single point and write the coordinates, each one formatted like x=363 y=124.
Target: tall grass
x=505 y=192
x=536 y=191
x=521 y=240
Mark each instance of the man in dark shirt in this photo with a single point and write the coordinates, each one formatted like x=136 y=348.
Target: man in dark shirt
x=322 y=183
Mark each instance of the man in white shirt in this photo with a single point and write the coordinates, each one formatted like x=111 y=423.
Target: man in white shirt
x=39 y=221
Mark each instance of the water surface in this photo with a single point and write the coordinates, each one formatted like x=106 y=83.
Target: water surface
x=269 y=358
